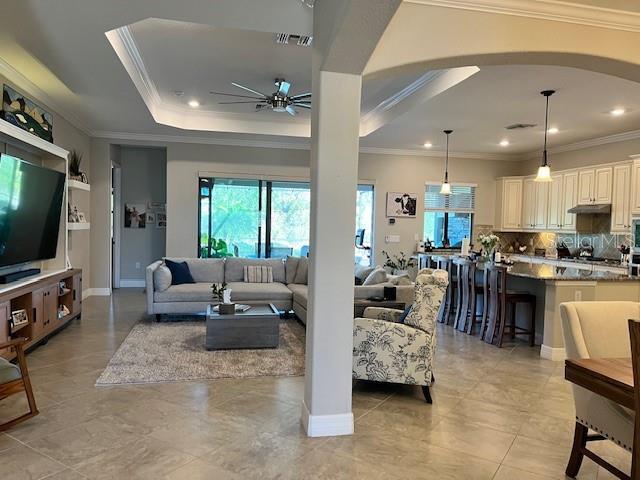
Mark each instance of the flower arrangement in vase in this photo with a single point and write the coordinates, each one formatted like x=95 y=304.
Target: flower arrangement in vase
x=398 y=264
x=489 y=243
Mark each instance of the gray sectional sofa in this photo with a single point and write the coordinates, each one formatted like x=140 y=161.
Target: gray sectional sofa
x=287 y=292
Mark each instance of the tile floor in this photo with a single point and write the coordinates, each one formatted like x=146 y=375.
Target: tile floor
x=497 y=414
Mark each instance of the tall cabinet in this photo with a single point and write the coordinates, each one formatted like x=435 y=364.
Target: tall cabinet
x=621 y=199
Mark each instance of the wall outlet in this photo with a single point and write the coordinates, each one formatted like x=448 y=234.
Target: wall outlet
x=578 y=296
x=137 y=265
x=392 y=239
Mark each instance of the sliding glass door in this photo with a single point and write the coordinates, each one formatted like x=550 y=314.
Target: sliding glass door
x=263 y=218
x=231 y=218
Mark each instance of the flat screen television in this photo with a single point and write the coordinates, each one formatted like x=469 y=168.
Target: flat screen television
x=30 y=205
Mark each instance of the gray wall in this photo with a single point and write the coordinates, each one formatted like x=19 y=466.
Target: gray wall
x=144 y=180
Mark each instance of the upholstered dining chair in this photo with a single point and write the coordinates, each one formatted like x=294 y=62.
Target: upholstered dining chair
x=387 y=348
x=598 y=330
x=15 y=379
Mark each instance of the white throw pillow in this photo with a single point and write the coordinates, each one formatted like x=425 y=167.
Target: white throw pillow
x=258 y=274
x=376 y=277
x=161 y=278
x=363 y=271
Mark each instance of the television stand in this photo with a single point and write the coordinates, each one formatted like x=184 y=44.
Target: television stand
x=12 y=277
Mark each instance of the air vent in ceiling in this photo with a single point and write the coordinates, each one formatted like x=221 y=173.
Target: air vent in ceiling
x=293 y=39
x=518 y=126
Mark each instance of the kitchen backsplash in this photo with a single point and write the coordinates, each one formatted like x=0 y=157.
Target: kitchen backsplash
x=604 y=245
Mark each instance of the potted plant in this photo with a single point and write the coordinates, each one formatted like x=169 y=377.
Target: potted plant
x=398 y=264
x=222 y=295
x=75 y=159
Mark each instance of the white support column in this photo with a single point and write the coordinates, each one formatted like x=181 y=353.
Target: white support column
x=326 y=410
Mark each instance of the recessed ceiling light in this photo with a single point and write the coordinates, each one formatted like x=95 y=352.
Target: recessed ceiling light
x=504 y=143
x=428 y=145
x=194 y=103
x=616 y=112
x=552 y=131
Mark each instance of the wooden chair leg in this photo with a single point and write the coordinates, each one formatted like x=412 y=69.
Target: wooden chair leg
x=427 y=394
x=472 y=312
x=514 y=309
x=577 y=451
x=532 y=329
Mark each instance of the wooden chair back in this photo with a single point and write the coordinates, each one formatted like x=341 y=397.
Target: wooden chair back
x=466 y=292
x=497 y=282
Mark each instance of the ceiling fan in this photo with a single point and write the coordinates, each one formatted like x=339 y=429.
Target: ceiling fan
x=279 y=101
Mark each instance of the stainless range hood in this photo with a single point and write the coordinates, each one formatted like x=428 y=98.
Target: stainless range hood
x=593 y=209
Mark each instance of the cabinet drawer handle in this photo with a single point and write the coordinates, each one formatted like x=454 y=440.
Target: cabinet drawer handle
x=35 y=318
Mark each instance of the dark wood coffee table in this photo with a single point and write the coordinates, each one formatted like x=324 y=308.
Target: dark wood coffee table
x=360 y=305
x=258 y=327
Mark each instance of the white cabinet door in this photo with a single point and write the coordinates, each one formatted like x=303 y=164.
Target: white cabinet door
x=570 y=200
x=586 y=186
x=512 y=204
x=528 y=204
x=635 y=188
x=541 y=211
x=602 y=185
x=621 y=199
x=556 y=215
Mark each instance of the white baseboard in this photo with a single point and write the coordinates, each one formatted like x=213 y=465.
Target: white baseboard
x=132 y=283
x=551 y=353
x=326 y=425
x=96 y=292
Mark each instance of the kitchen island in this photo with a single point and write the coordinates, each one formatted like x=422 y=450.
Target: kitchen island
x=553 y=284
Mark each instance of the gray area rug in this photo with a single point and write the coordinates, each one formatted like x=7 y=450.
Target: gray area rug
x=174 y=352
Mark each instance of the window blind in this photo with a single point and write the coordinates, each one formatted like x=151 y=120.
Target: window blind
x=461 y=200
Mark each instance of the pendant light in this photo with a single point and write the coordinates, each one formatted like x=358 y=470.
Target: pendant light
x=446 y=186
x=544 y=171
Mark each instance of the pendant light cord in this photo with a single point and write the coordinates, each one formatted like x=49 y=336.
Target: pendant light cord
x=546 y=129
x=446 y=163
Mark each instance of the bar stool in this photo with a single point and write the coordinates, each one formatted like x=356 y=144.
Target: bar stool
x=446 y=263
x=469 y=288
x=500 y=299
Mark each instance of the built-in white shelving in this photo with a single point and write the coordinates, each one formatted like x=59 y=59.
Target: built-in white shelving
x=28 y=141
x=78 y=225
x=76 y=185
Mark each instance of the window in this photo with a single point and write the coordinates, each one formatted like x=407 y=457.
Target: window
x=364 y=224
x=263 y=218
x=449 y=218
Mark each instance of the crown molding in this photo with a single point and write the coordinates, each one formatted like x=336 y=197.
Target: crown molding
x=553 y=10
x=440 y=154
x=234 y=142
x=25 y=84
x=594 y=142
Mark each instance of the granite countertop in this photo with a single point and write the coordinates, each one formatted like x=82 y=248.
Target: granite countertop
x=541 y=271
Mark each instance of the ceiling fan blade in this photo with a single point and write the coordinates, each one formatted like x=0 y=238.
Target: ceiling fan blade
x=243 y=101
x=301 y=96
x=234 y=95
x=303 y=105
x=283 y=88
x=291 y=111
x=249 y=89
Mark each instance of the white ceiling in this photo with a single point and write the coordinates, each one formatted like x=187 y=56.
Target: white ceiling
x=83 y=78
x=479 y=108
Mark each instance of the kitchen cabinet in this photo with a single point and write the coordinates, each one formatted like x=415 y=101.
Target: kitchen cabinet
x=595 y=185
x=635 y=188
x=621 y=199
x=509 y=211
x=556 y=203
x=569 y=200
x=535 y=204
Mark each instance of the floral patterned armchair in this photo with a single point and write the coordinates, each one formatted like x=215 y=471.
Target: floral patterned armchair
x=385 y=350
